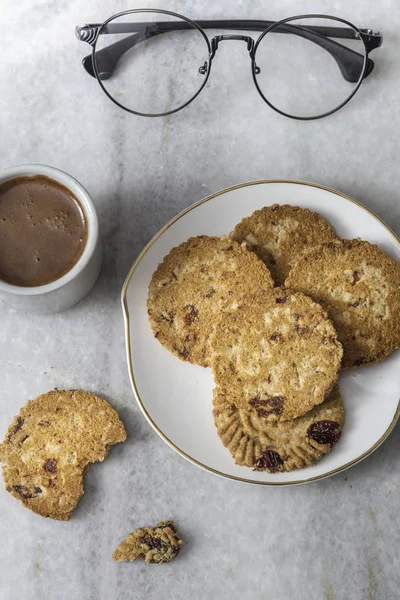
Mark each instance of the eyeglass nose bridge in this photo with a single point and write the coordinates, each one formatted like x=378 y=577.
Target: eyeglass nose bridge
x=221 y=38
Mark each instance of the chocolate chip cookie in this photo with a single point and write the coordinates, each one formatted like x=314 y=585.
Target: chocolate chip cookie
x=49 y=446
x=160 y=544
x=284 y=446
x=195 y=283
x=279 y=234
x=277 y=352
x=358 y=285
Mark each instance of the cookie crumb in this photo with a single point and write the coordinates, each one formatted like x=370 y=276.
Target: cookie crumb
x=159 y=545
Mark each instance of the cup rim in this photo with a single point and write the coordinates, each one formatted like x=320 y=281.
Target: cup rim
x=84 y=198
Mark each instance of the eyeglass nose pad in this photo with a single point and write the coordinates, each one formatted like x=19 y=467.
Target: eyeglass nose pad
x=257 y=69
x=203 y=69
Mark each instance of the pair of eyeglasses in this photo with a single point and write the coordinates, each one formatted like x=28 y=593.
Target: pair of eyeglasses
x=155 y=62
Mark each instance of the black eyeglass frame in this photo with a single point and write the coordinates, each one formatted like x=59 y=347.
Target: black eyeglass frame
x=369 y=38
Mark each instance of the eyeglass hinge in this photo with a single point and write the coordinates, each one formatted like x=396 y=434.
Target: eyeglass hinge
x=88 y=33
x=372 y=39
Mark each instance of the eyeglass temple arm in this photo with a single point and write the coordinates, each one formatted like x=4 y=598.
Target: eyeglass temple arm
x=349 y=62
x=108 y=57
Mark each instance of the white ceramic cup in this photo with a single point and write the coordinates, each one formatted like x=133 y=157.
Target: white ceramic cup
x=74 y=285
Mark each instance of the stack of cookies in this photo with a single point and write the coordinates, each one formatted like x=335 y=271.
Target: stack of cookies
x=276 y=310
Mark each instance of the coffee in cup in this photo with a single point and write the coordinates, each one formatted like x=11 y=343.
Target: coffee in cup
x=43 y=230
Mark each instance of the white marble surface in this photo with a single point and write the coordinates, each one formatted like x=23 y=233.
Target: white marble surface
x=332 y=540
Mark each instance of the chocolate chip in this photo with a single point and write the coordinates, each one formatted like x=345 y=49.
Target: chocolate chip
x=360 y=361
x=271 y=259
x=184 y=352
x=256 y=401
x=50 y=465
x=276 y=405
x=269 y=406
x=356 y=277
x=275 y=207
x=355 y=304
x=204 y=269
x=153 y=542
x=281 y=300
x=157 y=333
x=169 y=317
x=275 y=336
x=262 y=412
x=173 y=275
x=324 y=432
x=17 y=427
x=191 y=337
x=230 y=248
x=301 y=330
x=353 y=337
x=269 y=460
x=25 y=493
x=191 y=315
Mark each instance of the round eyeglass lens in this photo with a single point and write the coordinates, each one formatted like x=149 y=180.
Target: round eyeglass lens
x=309 y=67
x=151 y=63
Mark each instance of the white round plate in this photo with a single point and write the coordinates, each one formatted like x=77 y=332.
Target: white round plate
x=176 y=397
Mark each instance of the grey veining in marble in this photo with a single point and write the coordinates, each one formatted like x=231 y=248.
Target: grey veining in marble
x=337 y=539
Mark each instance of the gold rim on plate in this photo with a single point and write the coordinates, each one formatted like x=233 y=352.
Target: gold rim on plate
x=128 y=339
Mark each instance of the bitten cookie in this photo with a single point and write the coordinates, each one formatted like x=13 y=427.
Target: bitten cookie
x=358 y=285
x=49 y=446
x=197 y=281
x=283 y=446
x=280 y=234
x=278 y=353
x=160 y=544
